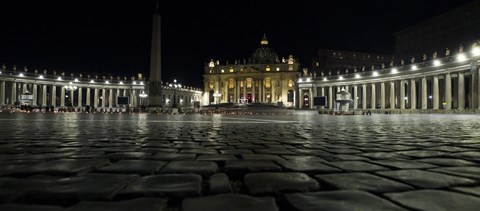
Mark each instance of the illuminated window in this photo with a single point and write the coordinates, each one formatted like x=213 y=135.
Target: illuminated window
x=211 y=84
x=241 y=84
x=290 y=83
x=267 y=82
x=249 y=83
x=223 y=70
x=231 y=83
x=231 y=69
x=267 y=69
x=290 y=67
x=278 y=68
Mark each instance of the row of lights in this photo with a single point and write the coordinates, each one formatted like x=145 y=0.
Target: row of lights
x=460 y=58
x=76 y=79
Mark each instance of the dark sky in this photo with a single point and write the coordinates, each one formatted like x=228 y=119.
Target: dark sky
x=113 y=37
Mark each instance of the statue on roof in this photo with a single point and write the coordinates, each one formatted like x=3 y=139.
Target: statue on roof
x=447 y=52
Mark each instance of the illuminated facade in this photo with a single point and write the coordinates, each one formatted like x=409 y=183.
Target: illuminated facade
x=264 y=78
x=447 y=80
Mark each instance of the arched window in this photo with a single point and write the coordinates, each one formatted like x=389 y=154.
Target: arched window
x=267 y=82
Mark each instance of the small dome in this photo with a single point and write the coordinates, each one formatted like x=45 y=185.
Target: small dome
x=264 y=54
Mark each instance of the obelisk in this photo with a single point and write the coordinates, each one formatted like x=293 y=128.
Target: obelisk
x=155 y=81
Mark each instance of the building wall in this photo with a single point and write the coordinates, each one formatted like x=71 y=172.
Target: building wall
x=448 y=30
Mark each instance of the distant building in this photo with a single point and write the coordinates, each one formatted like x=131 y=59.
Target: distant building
x=334 y=62
x=447 y=30
x=263 y=78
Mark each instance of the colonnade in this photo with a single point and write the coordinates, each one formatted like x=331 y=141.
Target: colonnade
x=14 y=91
x=446 y=90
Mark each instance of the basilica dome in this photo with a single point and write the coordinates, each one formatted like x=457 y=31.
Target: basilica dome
x=264 y=54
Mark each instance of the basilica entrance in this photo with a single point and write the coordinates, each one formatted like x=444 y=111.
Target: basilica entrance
x=249 y=98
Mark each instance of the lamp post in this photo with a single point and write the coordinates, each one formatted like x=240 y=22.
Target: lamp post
x=175 y=85
x=70 y=87
x=142 y=96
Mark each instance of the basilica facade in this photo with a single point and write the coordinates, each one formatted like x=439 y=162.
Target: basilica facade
x=264 y=78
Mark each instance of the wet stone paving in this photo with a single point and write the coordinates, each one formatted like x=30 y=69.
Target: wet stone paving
x=299 y=161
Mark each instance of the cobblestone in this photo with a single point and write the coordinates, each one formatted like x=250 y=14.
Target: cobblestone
x=304 y=161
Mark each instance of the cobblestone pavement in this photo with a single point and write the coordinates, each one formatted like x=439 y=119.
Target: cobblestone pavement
x=239 y=162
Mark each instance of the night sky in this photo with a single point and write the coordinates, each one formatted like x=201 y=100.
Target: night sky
x=113 y=37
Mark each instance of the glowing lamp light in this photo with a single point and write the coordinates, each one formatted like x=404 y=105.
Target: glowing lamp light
x=59 y=78
x=325 y=79
x=141 y=83
x=461 y=57
x=92 y=81
x=414 y=67
x=21 y=75
x=394 y=70
x=121 y=82
x=107 y=82
x=476 y=51
x=134 y=83
x=308 y=79
x=76 y=80
x=357 y=75
x=41 y=76
x=340 y=78
x=375 y=73
x=300 y=80
x=436 y=63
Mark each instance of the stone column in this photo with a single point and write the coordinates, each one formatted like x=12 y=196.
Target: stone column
x=87 y=97
x=373 y=99
x=436 y=94
x=14 y=93
x=310 y=97
x=53 y=95
x=474 y=93
x=461 y=91
x=382 y=95
x=62 y=97
x=110 y=98
x=272 y=85
x=116 y=97
x=2 y=93
x=478 y=90
x=364 y=96
x=134 y=98
x=44 y=95
x=79 y=100
x=104 y=97
x=355 y=97
x=413 y=95
x=35 y=94
x=330 y=97
x=72 y=98
x=24 y=88
x=322 y=91
x=95 y=98
x=402 y=94
x=424 y=93
x=448 y=91
x=253 y=90
x=244 y=90
x=392 y=95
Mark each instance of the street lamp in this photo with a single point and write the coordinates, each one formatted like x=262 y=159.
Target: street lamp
x=174 y=86
x=174 y=104
x=142 y=96
x=70 y=87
